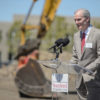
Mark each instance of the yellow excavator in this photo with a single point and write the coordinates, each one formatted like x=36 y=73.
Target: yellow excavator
x=47 y=17
x=26 y=77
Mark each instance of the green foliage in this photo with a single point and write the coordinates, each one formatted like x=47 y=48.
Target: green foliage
x=14 y=36
x=59 y=29
x=97 y=25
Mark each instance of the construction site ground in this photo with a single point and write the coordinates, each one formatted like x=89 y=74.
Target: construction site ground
x=9 y=91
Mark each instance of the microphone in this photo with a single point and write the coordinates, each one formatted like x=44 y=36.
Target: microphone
x=57 y=43
x=64 y=43
x=60 y=43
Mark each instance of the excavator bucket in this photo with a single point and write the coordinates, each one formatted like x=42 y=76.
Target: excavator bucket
x=31 y=81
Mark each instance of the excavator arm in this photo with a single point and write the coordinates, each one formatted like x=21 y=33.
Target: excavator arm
x=47 y=17
x=24 y=26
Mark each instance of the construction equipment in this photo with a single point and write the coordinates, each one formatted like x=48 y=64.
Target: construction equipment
x=30 y=79
x=47 y=17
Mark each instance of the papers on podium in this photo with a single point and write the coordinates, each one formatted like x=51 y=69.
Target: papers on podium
x=78 y=68
x=55 y=64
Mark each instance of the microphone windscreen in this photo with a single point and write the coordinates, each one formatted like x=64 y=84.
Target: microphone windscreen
x=59 y=41
x=65 y=41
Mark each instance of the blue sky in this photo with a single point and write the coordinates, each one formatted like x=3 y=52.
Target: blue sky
x=66 y=8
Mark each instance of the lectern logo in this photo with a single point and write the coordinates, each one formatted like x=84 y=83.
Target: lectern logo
x=59 y=77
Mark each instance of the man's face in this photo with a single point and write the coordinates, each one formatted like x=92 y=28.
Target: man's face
x=81 y=21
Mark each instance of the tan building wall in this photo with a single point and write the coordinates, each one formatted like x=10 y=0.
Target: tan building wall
x=4 y=27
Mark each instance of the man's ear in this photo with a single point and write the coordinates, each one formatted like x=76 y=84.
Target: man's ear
x=87 y=19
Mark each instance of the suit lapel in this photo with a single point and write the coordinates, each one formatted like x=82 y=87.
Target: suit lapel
x=79 y=44
x=88 y=40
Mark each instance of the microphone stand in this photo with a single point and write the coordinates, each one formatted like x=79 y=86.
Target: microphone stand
x=58 y=51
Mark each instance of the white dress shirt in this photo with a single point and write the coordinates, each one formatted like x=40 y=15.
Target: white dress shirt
x=87 y=31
